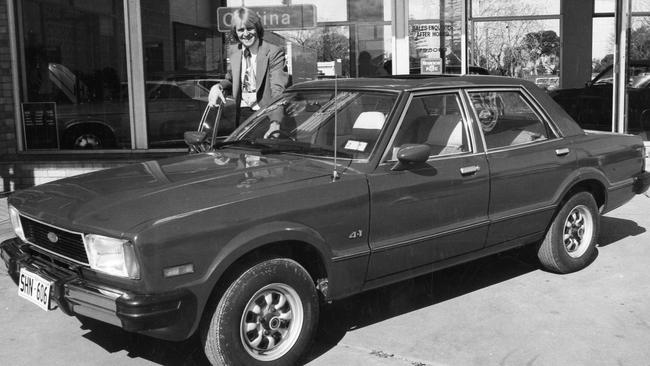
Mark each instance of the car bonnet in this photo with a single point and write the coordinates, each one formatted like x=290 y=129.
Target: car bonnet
x=113 y=201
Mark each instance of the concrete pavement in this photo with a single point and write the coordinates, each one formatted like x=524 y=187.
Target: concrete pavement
x=501 y=310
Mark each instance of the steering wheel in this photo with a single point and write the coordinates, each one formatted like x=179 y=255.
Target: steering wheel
x=278 y=134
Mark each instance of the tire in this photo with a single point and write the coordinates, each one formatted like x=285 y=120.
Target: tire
x=88 y=138
x=570 y=243
x=248 y=327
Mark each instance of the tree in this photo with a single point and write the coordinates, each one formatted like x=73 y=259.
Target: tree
x=541 y=49
x=640 y=43
x=329 y=43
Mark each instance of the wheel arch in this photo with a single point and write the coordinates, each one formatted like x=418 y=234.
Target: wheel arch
x=277 y=240
x=591 y=185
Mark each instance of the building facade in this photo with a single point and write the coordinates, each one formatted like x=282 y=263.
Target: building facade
x=86 y=85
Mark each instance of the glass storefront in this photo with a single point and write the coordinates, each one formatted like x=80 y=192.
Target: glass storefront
x=74 y=75
x=637 y=101
x=435 y=36
x=88 y=81
x=183 y=57
x=517 y=38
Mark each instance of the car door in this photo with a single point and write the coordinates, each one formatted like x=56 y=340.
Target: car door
x=529 y=163
x=434 y=210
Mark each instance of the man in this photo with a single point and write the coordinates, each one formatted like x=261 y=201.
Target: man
x=258 y=69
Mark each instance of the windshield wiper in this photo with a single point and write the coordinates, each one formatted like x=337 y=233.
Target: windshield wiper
x=273 y=146
x=244 y=142
x=308 y=149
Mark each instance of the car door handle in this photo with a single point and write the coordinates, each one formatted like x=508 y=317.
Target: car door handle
x=562 y=152
x=468 y=170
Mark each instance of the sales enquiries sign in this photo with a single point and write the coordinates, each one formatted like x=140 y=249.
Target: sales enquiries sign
x=273 y=17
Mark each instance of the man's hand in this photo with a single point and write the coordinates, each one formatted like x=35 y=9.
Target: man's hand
x=216 y=94
x=273 y=128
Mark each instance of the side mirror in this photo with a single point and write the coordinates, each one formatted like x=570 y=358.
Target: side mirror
x=411 y=155
x=196 y=140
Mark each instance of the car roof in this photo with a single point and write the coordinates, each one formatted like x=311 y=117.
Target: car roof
x=408 y=82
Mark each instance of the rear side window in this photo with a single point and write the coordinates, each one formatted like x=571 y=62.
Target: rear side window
x=507 y=119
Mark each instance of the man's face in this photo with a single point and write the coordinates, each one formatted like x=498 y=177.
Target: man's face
x=247 y=34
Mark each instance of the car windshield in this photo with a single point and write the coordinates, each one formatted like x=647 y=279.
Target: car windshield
x=305 y=122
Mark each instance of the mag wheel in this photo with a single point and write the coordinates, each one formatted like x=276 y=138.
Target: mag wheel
x=267 y=316
x=570 y=243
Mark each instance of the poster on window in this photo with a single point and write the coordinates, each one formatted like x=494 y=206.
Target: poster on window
x=425 y=40
x=40 y=127
x=431 y=65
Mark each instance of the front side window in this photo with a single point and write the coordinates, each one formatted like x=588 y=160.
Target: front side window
x=434 y=120
x=318 y=123
x=507 y=119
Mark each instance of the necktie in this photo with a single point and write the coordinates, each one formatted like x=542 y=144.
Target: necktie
x=249 y=75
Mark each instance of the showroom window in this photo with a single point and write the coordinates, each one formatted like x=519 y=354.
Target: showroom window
x=352 y=38
x=517 y=38
x=183 y=58
x=74 y=76
x=435 y=37
x=637 y=72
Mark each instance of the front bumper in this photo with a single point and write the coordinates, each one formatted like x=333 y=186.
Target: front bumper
x=168 y=315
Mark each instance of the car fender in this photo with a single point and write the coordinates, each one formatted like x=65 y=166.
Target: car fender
x=78 y=123
x=580 y=175
x=267 y=234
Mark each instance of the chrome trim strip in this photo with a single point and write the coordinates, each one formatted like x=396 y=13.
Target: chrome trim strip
x=61 y=255
x=428 y=237
x=351 y=256
x=513 y=216
x=54 y=226
x=621 y=184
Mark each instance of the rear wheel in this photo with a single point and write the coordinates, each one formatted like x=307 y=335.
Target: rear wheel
x=88 y=137
x=267 y=316
x=570 y=243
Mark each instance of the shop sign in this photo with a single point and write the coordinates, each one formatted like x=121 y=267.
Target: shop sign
x=431 y=65
x=39 y=123
x=273 y=17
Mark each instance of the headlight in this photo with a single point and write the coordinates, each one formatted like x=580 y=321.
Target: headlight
x=112 y=256
x=14 y=216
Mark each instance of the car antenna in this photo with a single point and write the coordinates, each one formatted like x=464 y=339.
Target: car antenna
x=335 y=173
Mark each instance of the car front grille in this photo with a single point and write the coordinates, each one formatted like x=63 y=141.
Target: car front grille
x=57 y=241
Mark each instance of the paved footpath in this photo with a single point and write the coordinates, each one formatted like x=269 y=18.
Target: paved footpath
x=502 y=310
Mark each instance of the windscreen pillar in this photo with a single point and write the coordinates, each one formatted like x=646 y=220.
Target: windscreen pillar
x=576 y=33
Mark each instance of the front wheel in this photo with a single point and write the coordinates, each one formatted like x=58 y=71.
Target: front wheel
x=570 y=243
x=267 y=316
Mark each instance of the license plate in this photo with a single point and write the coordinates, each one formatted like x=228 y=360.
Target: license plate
x=34 y=288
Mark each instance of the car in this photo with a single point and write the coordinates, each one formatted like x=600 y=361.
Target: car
x=338 y=187
x=99 y=118
x=548 y=82
x=591 y=106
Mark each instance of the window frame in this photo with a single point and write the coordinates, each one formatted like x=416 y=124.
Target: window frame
x=551 y=128
x=387 y=156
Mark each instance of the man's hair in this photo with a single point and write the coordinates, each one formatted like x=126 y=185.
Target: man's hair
x=247 y=18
